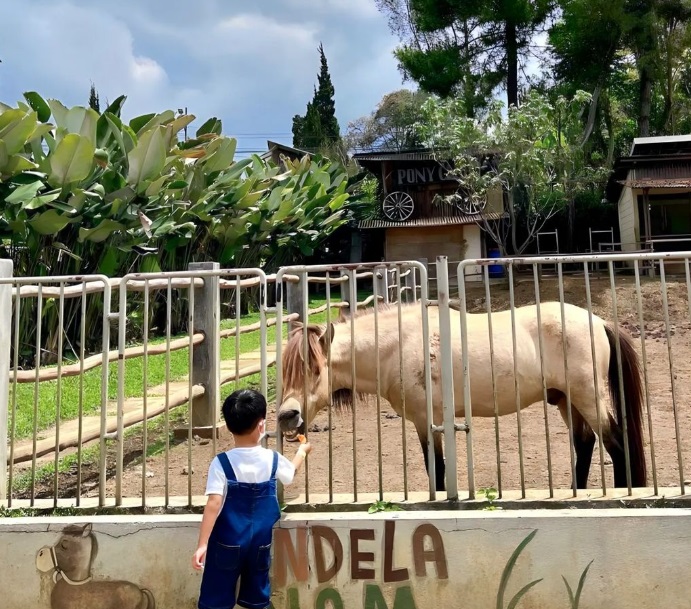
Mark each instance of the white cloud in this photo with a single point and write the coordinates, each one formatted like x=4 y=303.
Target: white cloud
x=364 y=9
x=254 y=66
x=58 y=49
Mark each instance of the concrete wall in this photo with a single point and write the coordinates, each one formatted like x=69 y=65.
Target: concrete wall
x=397 y=560
x=472 y=234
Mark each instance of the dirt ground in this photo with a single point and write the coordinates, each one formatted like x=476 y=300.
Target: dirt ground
x=357 y=435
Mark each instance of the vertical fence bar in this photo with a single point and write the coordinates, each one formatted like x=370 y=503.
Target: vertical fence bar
x=596 y=383
x=280 y=288
x=467 y=396
x=490 y=332
x=5 y=342
x=37 y=386
x=58 y=397
x=517 y=385
x=447 y=389
x=238 y=308
x=145 y=390
x=166 y=412
x=644 y=360
x=380 y=475
x=541 y=355
x=404 y=418
x=424 y=304
x=80 y=405
x=353 y=314
x=672 y=375
x=264 y=375
x=304 y=315
x=105 y=389
x=615 y=324
x=567 y=380
x=330 y=382
x=190 y=391
x=122 y=337
x=15 y=368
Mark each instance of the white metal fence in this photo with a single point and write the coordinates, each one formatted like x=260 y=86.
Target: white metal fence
x=382 y=395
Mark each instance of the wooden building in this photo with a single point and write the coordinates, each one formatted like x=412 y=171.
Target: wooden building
x=652 y=189
x=415 y=223
x=276 y=151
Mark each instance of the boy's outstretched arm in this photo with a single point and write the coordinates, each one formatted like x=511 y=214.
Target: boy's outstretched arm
x=211 y=510
x=301 y=455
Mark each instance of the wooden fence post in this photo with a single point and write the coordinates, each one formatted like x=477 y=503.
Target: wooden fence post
x=206 y=359
x=5 y=342
x=296 y=301
x=345 y=295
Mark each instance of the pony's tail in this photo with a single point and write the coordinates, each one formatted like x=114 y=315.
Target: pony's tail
x=632 y=398
x=150 y=600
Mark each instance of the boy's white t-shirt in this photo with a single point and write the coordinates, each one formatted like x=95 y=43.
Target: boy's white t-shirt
x=251 y=464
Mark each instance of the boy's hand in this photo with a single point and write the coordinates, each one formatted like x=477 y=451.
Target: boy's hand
x=198 y=558
x=306 y=447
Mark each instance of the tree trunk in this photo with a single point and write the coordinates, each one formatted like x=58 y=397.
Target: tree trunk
x=646 y=87
x=668 y=112
x=592 y=114
x=512 y=64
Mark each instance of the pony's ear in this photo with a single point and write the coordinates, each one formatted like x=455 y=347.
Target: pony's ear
x=342 y=317
x=326 y=336
x=86 y=531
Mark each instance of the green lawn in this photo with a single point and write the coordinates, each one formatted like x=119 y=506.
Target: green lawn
x=44 y=401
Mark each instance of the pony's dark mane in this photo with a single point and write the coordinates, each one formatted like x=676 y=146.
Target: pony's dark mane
x=293 y=364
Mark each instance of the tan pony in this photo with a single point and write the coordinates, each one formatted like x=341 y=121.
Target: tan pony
x=337 y=339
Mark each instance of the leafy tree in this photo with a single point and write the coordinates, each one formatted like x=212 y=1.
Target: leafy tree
x=597 y=41
x=319 y=126
x=532 y=155
x=392 y=125
x=460 y=47
x=94 y=102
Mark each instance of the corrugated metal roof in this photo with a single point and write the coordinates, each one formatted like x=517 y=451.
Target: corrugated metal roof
x=433 y=221
x=657 y=183
x=421 y=155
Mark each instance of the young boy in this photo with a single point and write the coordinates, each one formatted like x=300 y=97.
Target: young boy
x=241 y=509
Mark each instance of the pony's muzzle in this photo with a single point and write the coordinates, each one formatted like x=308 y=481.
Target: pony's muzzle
x=289 y=416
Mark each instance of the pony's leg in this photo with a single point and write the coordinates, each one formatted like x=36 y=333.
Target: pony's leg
x=439 y=464
x=583 y=441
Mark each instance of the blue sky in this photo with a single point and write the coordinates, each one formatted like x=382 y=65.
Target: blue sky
x=252 y=64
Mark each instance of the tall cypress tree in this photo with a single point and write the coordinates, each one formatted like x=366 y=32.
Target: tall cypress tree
x=318 y=127
x=94 y=102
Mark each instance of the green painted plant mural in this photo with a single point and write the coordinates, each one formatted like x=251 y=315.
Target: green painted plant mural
x=574 y=598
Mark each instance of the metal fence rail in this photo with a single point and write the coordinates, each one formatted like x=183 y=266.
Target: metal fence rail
x=543 y=365
x=382 y=375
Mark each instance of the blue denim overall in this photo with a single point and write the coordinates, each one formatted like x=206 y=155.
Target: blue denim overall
x=240 y=544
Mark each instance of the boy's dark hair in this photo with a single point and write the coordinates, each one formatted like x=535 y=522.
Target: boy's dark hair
x=242 y=410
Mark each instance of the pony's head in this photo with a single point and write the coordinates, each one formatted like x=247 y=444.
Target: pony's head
x=305 y=379
x=72 y=555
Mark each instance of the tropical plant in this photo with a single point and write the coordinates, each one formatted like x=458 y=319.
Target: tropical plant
x=83 y=192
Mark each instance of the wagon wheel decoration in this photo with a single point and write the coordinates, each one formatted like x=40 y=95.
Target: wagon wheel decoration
x=398 y=206
x=468 y=205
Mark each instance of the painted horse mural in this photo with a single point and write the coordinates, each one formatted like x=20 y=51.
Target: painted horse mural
x=599 y=400
x=70 y=560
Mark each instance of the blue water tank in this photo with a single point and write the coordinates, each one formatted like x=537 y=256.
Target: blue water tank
x=495 y=270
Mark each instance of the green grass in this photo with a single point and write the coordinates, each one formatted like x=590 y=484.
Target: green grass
x=46 y=398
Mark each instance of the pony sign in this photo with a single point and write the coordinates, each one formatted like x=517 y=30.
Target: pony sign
x=432 y=363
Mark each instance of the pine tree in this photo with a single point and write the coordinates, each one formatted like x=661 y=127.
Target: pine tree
x=324 y=101
x=318 y=128
x=93 y=99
